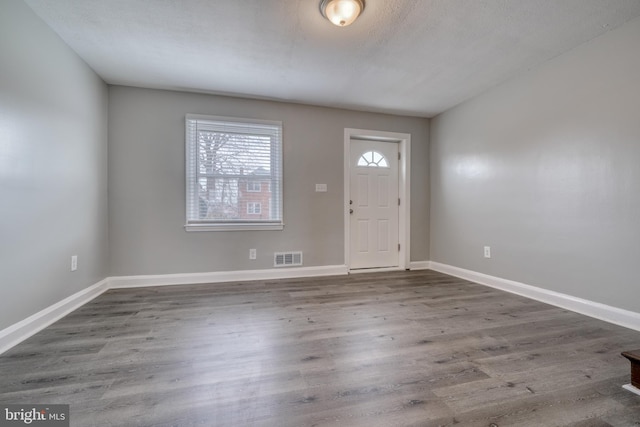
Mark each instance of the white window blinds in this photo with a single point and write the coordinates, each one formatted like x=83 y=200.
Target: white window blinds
x=232 y=166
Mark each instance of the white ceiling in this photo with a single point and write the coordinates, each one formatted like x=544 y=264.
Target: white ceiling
x=413 y=57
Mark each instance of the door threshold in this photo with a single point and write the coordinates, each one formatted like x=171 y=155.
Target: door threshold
x=374 y=270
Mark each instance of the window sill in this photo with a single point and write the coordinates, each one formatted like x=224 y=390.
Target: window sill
x=233 y=227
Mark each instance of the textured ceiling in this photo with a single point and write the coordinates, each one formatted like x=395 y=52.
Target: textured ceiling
x=414 y=57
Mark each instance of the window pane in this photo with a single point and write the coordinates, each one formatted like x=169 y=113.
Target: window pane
x=234 y=171
x=219 y=195
x=373 y=159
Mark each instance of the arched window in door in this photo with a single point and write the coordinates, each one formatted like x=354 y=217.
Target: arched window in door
x=373 y=159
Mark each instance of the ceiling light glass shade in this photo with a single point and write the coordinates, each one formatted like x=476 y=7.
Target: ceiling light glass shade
x=341 y=12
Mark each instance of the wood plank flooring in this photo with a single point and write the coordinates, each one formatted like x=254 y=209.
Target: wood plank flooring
x=383 y=349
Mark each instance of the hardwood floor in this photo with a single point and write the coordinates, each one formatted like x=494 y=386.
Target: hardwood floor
x=386 y=349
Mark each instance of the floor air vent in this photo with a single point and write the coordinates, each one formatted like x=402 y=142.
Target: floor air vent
x=286 y=259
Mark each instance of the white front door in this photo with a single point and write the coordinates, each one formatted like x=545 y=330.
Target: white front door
x=373 y=204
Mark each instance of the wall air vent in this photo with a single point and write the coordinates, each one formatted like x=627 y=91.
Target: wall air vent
x=286 y=259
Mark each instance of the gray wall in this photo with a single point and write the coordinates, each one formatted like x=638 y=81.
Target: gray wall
x=147 y=183
x=546 y=170
x=53 y=171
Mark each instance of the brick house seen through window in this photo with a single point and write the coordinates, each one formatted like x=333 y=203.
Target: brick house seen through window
x=254 y=195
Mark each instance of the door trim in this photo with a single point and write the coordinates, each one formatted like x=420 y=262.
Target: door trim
x=404 y=189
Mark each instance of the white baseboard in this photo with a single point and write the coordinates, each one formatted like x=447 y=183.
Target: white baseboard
x=419 y=265
x=618 y=316
x=632 y=389
x=375 y=270
x=18 y=332
x=33 y=324
x=225 y=276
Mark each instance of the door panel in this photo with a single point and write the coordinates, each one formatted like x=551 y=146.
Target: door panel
x=383 y=235
x=374 y=192
x=363 y=191
x=383 y=191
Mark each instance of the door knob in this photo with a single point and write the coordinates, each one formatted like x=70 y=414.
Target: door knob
x=350 y=211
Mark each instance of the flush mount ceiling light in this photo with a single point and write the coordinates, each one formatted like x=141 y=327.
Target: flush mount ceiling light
x=341 y=12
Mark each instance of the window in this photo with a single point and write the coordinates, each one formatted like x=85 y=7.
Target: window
x=373 y=159
x=222 y=154
x=254 y=208
x=254 y=186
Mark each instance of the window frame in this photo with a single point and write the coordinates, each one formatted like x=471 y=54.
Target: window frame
x=254 y=211
x=252 y=183
x=191 y=183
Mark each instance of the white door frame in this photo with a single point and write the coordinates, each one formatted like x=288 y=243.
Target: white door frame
x=404 y=184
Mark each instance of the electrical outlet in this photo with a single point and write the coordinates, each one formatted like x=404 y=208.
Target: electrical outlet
x=74 y=262
x=321 y=188
x=487 y=251
x=253 y=254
